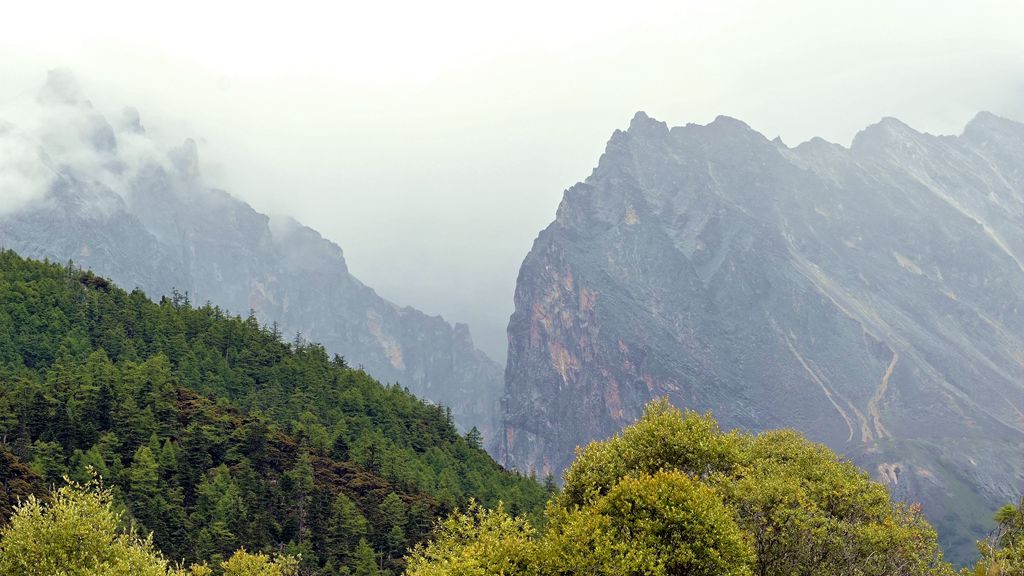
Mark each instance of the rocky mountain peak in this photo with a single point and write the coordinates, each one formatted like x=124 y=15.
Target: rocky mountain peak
x=723 y=123
x=985 y=120
x=867 y=297
x=887 y=133
x=988 y=130
x=644 y=126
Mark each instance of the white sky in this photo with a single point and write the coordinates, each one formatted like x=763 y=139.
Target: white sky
x=432 y=140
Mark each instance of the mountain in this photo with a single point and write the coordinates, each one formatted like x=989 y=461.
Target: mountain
x=213 y=434
x=113 y=201
x=870 y=297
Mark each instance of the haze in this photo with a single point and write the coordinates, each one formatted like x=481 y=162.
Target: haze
x=432 y=141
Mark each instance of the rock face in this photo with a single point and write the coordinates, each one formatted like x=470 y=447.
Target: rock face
x=871 y=297
x=115 y=203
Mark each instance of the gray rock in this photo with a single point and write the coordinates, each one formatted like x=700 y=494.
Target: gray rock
x=869 y=297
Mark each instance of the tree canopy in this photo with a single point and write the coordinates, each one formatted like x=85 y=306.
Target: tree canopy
x=673 y=494
x=1003 y=553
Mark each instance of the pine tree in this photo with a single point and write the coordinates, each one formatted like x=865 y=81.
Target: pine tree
x=48 y=461
x=147 y=499
x=365 y=561
x=395 y=514
x=301 y=488
x=549 y=485
x=474 y=438
x=220 y=510
x=347 y=526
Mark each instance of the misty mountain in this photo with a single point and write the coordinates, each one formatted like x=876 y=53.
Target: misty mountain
x=110 y=199
x=870 y=297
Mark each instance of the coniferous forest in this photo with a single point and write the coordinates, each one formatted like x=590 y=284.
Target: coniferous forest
x=213 y=434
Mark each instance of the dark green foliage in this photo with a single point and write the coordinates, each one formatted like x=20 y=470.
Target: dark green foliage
x=365 y=560
x=214 y=434
x=19 y=482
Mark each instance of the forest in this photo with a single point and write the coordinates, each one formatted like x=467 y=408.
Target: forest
x=172 y=439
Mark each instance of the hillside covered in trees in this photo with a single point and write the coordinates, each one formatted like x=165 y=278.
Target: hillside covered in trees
x=214 y=434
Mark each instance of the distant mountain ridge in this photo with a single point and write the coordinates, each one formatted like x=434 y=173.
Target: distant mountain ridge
x=869 y=296
x=117 y=204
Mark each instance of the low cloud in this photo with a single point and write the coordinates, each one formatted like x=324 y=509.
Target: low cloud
x=58 y=134
x=24 y=178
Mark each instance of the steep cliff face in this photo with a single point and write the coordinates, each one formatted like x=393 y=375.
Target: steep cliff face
x=117 y=204
x=870 y=297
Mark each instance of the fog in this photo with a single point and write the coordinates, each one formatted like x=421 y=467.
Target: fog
x=432 y=141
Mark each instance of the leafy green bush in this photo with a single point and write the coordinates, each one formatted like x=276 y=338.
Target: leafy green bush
x=674 y=495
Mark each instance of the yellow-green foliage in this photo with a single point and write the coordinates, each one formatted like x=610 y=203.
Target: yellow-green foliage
x=478 y=542
x=1003 y=553
x=243 y=563
x=656 y=525
x=674 y=495
x=77 y=532
x=660 y=524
